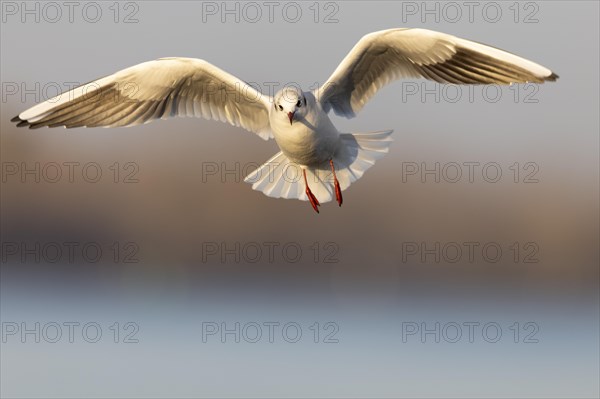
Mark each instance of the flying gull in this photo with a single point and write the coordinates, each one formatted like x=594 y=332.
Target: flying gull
x=316 y=161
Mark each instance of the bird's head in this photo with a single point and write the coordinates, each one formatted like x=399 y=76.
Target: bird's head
x=290 y=103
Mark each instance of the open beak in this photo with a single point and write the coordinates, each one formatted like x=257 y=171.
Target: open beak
x=291 y=116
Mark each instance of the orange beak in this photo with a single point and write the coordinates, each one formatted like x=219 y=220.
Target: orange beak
x=291 y=116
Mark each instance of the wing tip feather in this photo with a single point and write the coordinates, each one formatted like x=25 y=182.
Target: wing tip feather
x=20 y=122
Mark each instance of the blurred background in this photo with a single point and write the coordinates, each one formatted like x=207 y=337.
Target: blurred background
x=136 y=263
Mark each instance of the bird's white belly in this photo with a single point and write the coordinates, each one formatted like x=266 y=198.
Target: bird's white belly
x=307 y=143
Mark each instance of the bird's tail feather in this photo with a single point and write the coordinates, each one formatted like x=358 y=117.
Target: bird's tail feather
x=281 y=178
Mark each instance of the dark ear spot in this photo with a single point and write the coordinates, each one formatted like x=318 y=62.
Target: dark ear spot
x=304 y=101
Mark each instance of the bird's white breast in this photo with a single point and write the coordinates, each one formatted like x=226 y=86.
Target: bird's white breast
x=311 y=139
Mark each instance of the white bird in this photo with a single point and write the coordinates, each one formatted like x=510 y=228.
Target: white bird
x=316 y=161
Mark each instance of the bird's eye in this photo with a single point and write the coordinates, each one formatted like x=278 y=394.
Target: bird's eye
x=299 y=103
x=280 y=107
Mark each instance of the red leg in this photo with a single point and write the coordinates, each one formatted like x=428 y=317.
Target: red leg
x=338 y=191
x=311 y=197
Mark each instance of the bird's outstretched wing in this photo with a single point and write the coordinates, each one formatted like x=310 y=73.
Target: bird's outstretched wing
x=382 y=57
x=162 y=88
